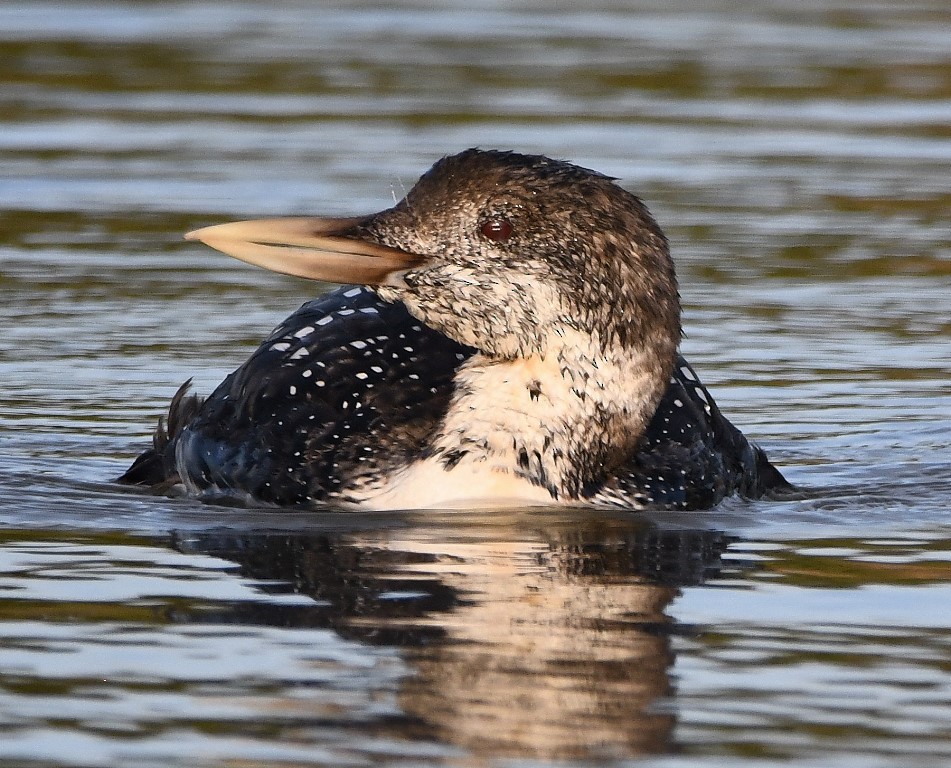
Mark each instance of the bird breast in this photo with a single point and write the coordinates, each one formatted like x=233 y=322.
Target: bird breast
x=522 y=430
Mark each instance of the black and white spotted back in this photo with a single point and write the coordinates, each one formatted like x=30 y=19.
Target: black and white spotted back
x=350 y=388
x=346 y=389
x=691 y=456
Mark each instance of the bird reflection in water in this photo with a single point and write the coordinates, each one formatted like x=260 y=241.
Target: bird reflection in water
x=525 y=637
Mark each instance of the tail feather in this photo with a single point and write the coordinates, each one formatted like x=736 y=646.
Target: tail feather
x=770 y=481
x=156 y=466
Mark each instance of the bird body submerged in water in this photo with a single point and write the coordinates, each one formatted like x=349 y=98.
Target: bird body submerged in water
x=518 y=345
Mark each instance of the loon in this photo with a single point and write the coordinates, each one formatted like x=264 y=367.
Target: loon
x=506 y=334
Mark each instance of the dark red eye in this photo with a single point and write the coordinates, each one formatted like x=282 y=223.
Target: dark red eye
x=497 y=229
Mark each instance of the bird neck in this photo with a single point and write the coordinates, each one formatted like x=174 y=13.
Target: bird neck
x=562 y=420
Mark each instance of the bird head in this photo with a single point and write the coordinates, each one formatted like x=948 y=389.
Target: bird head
x=504 y=252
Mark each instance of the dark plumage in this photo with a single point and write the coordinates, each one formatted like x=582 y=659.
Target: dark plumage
x=520 y=345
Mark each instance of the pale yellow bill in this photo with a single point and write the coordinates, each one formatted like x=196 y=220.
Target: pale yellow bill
x=307 y=247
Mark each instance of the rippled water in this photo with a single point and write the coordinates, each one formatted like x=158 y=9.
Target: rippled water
x=798 y=156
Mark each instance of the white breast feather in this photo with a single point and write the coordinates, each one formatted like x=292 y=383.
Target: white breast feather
x=582 y=397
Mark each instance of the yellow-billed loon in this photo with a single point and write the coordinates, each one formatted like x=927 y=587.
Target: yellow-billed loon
x=518 y=345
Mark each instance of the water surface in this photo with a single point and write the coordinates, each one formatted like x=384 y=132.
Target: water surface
x=798 y=157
